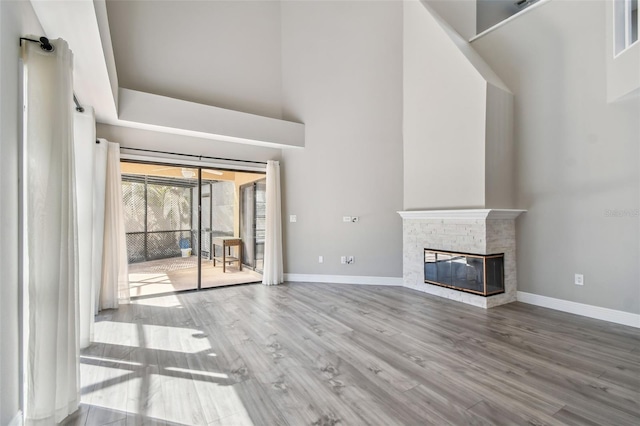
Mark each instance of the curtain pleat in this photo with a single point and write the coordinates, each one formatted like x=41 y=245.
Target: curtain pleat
x=273 y=269
x=84 y=142
x=115 y=275
x=99 y=185
x=51 y=246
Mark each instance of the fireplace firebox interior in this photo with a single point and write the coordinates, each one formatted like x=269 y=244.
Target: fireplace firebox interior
x=474 y=273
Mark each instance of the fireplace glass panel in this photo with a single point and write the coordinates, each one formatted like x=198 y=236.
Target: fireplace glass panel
x=465 y=272
x=444 y=268
x=430 y=270
x=469 y=274
x=495 y=279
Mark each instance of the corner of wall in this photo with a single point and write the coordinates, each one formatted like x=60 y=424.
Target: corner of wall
x=107 y=46
x=455 y=108
x=443 y=116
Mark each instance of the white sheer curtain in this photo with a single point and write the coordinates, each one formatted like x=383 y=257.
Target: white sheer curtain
x=99 y=185
x=84 y=137
x=51 y=255
x=273 y=271
x=115 y=274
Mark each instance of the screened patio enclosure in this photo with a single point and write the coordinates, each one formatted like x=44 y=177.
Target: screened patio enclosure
x=175 y=216
x=158 y=216
x=161 y=216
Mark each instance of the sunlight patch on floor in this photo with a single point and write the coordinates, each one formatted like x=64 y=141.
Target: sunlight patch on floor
x=170 y=301
x=152 y=283
x=109 y=360
x=145 y=278
x=116 y=333
x=164 y=397
x=96 y=378
x=167 y=373
x=175 y=399
x=174 y=339
x=146 y=398
x=202 y=402
x=149 y=336
x=197 y=372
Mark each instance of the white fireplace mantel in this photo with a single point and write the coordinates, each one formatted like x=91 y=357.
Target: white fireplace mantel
x=483 y=214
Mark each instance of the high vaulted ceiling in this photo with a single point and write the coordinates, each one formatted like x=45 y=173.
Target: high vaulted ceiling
x=210 y=69
x=220 y=53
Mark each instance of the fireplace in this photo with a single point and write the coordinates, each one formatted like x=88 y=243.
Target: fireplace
x=462 y=242
x=474 y=273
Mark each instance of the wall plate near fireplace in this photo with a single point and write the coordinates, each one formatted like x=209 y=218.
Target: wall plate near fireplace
x=481 y=274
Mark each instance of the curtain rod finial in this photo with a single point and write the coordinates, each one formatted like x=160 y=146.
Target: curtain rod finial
x=45 y=45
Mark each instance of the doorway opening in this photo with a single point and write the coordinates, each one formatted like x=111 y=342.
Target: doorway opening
x=191 y=228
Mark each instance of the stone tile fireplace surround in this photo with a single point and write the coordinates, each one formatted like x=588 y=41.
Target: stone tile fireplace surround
x=479 y=231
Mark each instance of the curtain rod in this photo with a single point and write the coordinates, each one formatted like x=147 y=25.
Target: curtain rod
x=79 y=107
x=48 y=47
x=200 y=157
x=44 y=43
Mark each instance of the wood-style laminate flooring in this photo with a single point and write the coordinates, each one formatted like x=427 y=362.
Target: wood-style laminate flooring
x=326 y=354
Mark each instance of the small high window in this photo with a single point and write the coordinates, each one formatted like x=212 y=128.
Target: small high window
x=625 y=25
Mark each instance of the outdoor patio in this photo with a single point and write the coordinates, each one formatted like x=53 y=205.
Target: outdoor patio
x=181 y=273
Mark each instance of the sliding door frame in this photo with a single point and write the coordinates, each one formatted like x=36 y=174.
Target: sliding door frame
x=199 y=287
x=254 y=227
x=199 y=166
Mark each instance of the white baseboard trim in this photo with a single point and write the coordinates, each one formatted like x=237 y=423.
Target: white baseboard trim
x=605 y=314
x=16 y=420
x=343 y=279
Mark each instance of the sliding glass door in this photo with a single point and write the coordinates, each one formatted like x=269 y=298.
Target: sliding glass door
x=252 y=223
x=185 y=227
x=158 y=204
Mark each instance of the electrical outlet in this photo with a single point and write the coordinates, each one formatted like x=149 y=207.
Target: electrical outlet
x=351 y=260
x=355 y=219
x=579 y=279
x=343 y=260
x=346 y=218
x=320 y=259
x=293 y=218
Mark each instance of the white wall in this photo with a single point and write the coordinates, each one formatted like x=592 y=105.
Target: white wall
x=444 y=118
x=577 y=156
x=342 y=77
x=499 y=150
x=335 y=66
x=17 y=19
x=229 y=51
